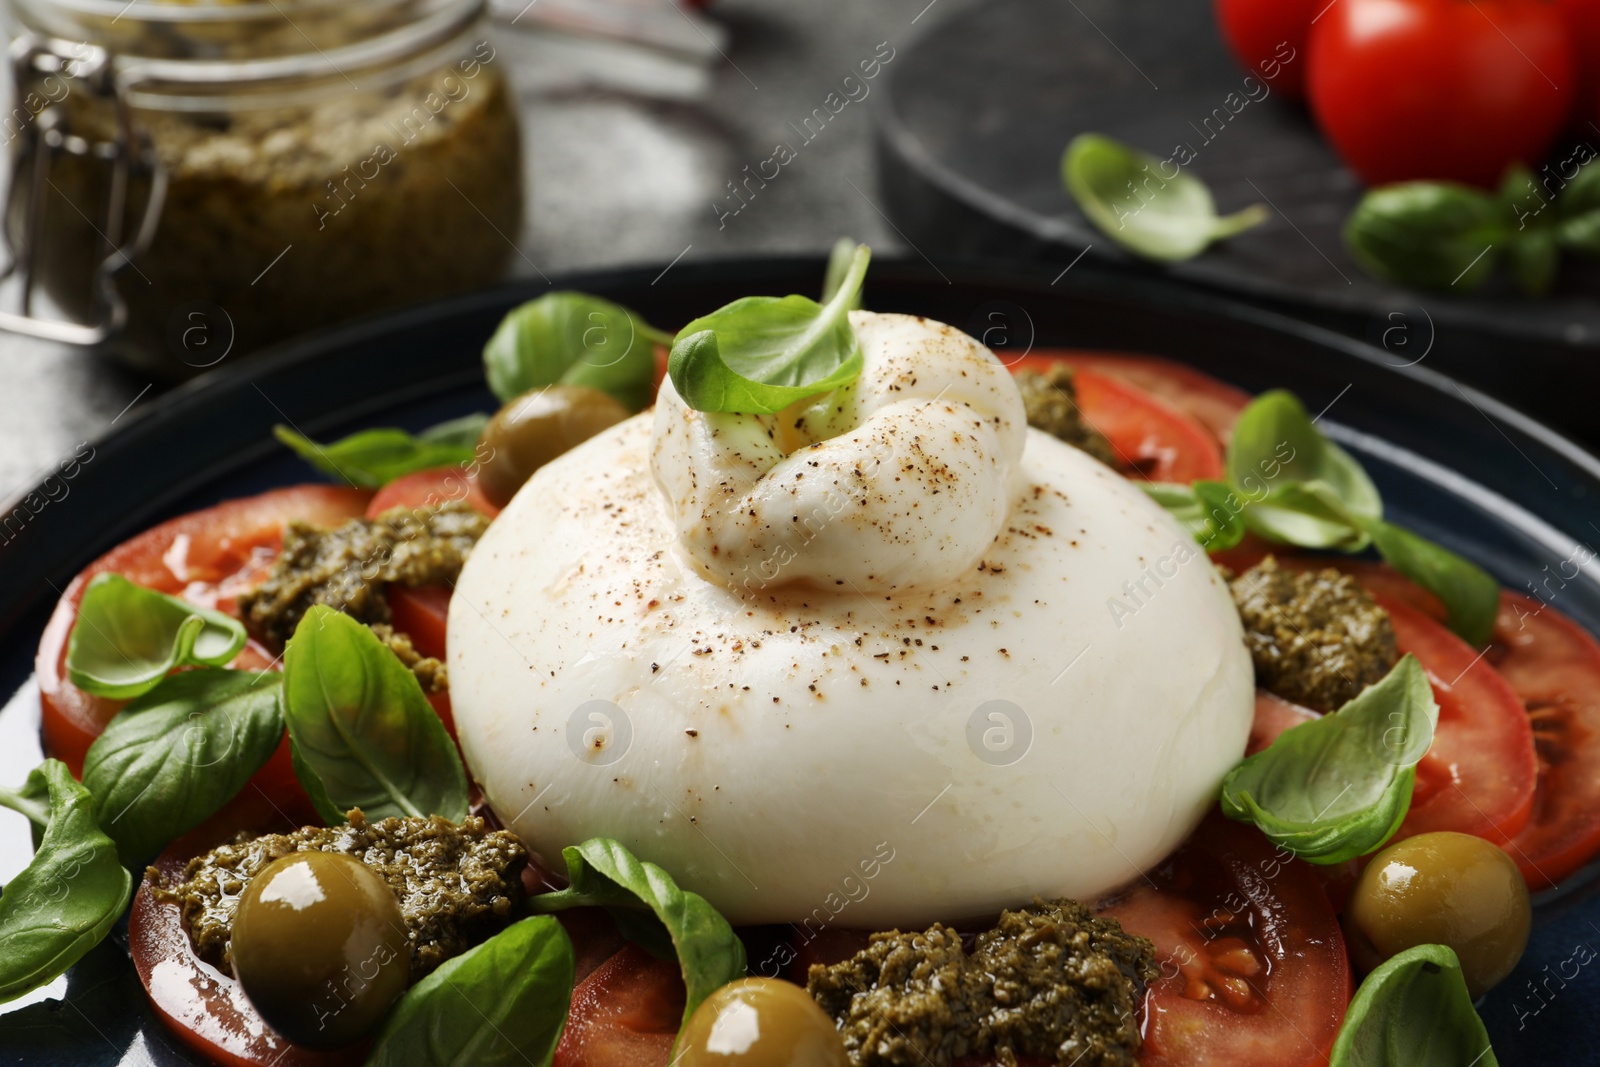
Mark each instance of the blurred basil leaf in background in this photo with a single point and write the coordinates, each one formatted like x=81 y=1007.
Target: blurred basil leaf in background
x=1128 y=195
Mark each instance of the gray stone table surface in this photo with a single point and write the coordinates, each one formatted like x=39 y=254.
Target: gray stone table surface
x=615 y=179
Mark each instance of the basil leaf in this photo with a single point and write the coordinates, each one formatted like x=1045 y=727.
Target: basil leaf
x=32 y=800
x=1337 y=787
x=1534 y=258
x=1309 y=514
x=1469 y=594
x=1578 y=213
x=1128 y=195
x=840 y=258
x=1438 y=235
x=66 y=900
x=760 y=354
x=501 y=1004
x=602 y=872
x=1275 y=441
x=1211 y=511
x=362 y=734
x=568 y=338
x=1302 y=489
x=462 y=432
x=372 y=459
x=1413 y=1011
x=174 y=756
x=127 y=638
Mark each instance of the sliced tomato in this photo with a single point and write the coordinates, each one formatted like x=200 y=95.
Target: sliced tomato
x=1274 y=715
x=595 y=938
x=1482 y=772
x=1152 y=439
x=1253 y=966
x=208 y=557
x=1214 y=403
x=1554 y=667
x=206 y=1009
x=1380 y=579
x=626 y=1013
x=422 y=614
x=1479 y=775
x=431 y=488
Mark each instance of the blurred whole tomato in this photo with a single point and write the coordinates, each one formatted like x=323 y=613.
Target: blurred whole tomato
x=1451 y=90
x=1583 y=29
x=1268 y=38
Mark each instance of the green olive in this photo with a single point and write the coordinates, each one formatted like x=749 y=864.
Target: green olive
x=320 y=947
x=535 y=428
x=1442 y=889
x=760 y=1022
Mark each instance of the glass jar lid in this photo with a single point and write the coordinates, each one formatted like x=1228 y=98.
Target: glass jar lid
x=194 y=56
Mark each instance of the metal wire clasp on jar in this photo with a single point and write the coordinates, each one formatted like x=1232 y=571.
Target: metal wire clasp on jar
x=192 y=181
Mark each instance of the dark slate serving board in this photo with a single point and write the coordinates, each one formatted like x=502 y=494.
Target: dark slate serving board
x=973 y=116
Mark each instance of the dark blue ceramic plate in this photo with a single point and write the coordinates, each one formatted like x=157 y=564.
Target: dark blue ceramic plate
x=1453 y=464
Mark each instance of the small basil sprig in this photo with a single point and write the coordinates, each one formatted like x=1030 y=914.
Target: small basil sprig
x=603 y=872
x=1292 y=485
x=174 y=756
x=1211 y=511
x=127 y=638
x=1578 y=213
x=1275 y=425
x=372 y=459
x=32 y=799
x=1413 y=1011
x=1442 y=235
x=362 y=734
x=67 y=899
x=1533 y=251
x=758 y=355
x=1338 y=787
x=1128 y=195
x=1321 y=498
x=568 y=338
x=518 y=985
x=840 y=258
x=1436 y=235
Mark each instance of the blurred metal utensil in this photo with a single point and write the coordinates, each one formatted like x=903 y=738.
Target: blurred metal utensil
x=652 y=47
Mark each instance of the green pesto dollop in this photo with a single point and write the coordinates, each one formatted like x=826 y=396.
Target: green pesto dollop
x=1316 y=637
x=431 y=673
x=348 y=567
x=1050 y=398
x=458 y=884
x=1049 y=980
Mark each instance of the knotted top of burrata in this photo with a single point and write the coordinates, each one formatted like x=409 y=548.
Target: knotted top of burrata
x=886 y=657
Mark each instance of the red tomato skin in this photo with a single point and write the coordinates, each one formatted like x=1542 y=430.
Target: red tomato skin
x=1268 y=38
x=1440 y=89
x=1478 y=711
x=1158 y=441
x=422 y=613
x=1274 y=715
x=207 y=556
x=430 y=488
x=1214 y=404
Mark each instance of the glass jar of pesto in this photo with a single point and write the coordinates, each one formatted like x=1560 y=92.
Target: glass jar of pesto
x=191 y=178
